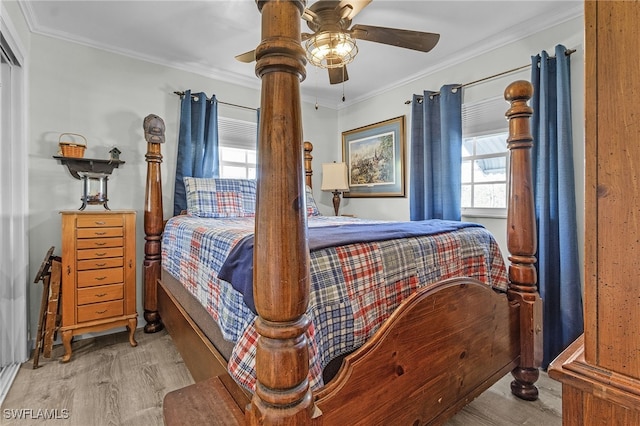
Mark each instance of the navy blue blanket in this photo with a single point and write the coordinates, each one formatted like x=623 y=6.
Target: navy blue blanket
x=238 y=268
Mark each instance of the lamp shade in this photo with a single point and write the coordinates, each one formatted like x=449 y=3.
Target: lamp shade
x=334 y=177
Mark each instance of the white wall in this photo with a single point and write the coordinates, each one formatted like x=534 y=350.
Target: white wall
x=105 y=97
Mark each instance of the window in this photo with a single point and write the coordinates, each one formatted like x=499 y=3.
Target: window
x=485 y=159
x=237 y=163
x=237 y=140
x=484 y=174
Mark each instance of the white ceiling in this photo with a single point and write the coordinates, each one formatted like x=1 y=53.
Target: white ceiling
x=204 y=36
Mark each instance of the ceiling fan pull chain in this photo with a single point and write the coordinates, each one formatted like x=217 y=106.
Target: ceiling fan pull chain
x=343 y=98
x=315 y=81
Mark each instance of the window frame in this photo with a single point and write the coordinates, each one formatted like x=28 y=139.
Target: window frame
x=492 y=212
x=246 y=165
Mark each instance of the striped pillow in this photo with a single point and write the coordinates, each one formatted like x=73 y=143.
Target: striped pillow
x=218 y=197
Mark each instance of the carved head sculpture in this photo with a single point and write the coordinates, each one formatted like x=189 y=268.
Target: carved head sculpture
x=153 y=129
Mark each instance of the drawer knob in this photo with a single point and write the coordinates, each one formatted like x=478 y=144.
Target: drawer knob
x=101 y=294
x=101 y=253
x=101 y=264
x=100 y=243
x=100 y=233
x=101 y=312
x=100 y=278
x=99 y=222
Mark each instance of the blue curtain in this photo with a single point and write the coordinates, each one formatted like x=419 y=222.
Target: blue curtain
x=197 y=143
x=554 y=191
x=436 y=154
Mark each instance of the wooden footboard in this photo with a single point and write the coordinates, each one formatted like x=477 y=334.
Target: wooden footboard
x=468 y=340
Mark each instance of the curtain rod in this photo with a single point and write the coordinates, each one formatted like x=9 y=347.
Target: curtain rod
x=500 y=74
x=181 y=94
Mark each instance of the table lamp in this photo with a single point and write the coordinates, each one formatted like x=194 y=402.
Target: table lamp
x=334 y=179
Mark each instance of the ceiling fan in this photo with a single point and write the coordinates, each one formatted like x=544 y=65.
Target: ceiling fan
x=332 y=45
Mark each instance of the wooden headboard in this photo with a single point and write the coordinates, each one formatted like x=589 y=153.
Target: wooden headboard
x=308 y=169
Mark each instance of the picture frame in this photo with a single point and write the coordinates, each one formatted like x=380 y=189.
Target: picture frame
x=375 y=158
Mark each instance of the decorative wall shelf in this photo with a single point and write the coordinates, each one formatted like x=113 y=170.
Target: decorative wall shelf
x=94 y=174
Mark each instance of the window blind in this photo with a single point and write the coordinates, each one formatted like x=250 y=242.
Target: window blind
x=484 y=117
x=234 y=133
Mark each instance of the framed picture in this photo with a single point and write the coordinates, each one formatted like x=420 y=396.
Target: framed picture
x=375 y=159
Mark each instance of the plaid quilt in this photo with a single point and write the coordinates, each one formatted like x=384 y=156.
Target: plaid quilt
x=354 y=288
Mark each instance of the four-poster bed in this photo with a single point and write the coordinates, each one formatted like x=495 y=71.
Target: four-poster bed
x=443 y=345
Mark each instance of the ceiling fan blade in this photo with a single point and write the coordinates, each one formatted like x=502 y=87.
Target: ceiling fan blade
x=247 y=57
x=338 y=75
x=350 y=8
x=415 y=40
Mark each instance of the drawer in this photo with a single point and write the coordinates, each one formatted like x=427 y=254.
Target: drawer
x=99 y=232
x=110 y=262
x=102 y=293
x=96 y=311
x=99 y=243
x=98 y=221
x=99 y=253
x=100 y=277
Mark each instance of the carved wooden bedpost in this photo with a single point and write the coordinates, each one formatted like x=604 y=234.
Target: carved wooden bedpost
x=281 y=255
x=522 y=242
x=154 y=135
x=308 y=158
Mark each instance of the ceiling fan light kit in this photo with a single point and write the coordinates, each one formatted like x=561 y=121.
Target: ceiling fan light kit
x=331 y=49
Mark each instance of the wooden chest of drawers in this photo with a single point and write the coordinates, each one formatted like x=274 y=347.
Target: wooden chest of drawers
x=98 y=273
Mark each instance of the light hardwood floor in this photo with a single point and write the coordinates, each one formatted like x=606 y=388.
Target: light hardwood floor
x=108 y=382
